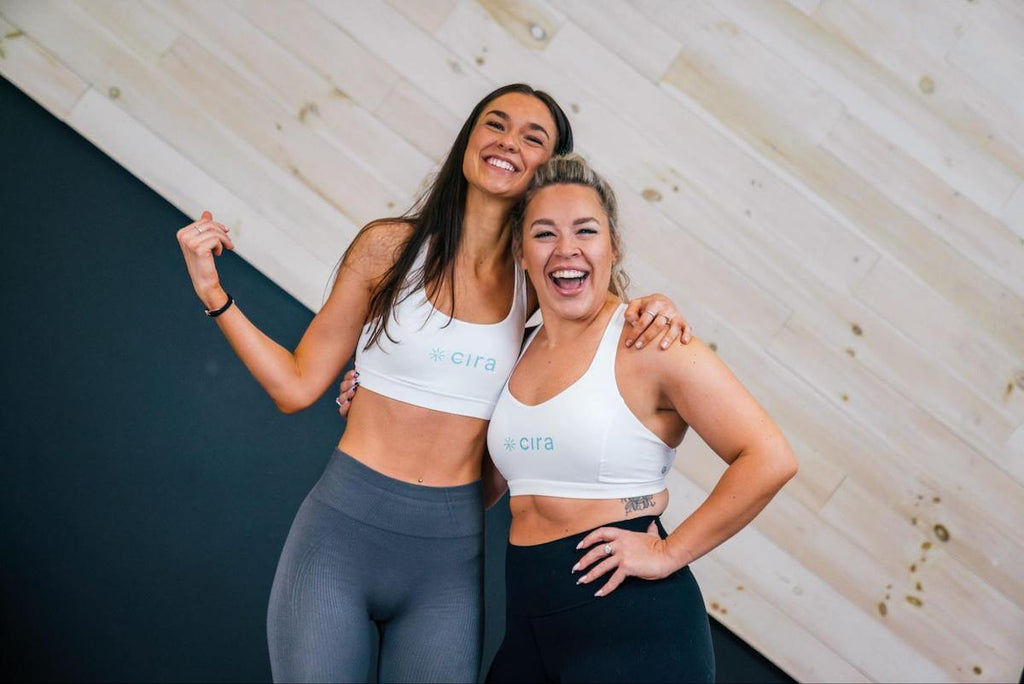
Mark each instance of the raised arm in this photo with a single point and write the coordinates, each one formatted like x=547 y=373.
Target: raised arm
x=294 y=379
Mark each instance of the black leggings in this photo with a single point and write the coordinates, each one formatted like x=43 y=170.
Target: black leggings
x=372 y=563
x=556 y=631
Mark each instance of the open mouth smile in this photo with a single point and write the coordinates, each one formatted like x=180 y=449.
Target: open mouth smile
x=501 y=163
x=568 y=281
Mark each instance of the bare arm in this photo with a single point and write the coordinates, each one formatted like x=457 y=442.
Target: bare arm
x=702 y=390
x=715 y=404
x=294 y=380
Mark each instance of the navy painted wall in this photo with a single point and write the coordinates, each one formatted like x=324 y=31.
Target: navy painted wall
x=146 y=481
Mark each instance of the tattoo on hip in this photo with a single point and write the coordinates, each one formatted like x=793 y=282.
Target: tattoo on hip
x=638 y=503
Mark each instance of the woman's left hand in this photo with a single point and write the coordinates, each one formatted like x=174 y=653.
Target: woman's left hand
x=652 y=316
x=629 y=554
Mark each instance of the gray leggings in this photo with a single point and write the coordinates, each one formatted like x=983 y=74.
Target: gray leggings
x=369 y=557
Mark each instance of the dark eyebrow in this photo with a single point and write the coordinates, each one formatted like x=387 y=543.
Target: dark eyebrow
x=577 y=222
x=532 y=126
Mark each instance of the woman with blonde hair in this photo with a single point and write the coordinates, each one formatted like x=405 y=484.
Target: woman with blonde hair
x=584 y=435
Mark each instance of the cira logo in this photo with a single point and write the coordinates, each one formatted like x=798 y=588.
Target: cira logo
x=464 y=359
x=529 y=444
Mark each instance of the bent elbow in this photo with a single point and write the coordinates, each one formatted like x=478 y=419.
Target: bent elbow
x=291 y=404
x=788 y=466
x=287 y=408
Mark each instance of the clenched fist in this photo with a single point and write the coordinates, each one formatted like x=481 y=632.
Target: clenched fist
x=200 y=242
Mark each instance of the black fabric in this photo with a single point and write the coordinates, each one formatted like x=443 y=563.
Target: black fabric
x=558 y=631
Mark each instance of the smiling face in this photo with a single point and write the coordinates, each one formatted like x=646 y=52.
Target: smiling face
x=567 y=250
x=512 y=137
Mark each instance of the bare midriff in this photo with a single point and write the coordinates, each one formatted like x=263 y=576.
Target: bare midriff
x=540 y=519
x=412 y=443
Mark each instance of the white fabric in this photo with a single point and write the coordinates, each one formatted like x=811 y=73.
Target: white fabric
x=583 y=443
x=454 y=367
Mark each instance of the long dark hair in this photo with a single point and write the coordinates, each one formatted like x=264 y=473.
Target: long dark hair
x=437 y=216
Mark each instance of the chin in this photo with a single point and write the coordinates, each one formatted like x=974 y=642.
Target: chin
x=574 y=308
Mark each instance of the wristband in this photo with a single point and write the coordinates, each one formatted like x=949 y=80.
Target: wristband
x=217 y=312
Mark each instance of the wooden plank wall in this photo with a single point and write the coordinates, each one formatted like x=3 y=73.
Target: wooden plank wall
x=830 y=189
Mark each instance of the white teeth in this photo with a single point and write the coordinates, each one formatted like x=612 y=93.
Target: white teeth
x=568 y=274
x=501 y=164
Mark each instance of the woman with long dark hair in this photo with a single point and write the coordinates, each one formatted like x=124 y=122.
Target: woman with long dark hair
x=388 y=544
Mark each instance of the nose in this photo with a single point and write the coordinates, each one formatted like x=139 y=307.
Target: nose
x=567 y=246
x=508 y=142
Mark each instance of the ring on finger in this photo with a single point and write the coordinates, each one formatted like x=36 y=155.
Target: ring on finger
x=337 y=400
x=198 y=229
x=668 y=319
x=607 y=549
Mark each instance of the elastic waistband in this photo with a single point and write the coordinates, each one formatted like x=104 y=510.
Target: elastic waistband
x=540 y=578
x=371 y=497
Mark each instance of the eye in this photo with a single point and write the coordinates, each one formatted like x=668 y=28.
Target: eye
x=496 y=125
x=543 y=234
x=587 y=231
x=535 y=140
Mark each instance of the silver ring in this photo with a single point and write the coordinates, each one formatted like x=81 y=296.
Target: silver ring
x=198 y=229
x=337 y=400
x=607 y=549
x=668 y=319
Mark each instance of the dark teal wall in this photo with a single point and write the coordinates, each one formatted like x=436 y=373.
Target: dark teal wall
x=146 y=481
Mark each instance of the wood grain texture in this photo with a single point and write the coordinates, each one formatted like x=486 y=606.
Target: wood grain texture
x=832 y=191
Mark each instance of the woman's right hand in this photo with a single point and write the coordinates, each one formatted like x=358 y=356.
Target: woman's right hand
x=346 y=391
x=200 y=242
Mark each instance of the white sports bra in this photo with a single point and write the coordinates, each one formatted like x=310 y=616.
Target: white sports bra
x=583 y=443
x=455 y=367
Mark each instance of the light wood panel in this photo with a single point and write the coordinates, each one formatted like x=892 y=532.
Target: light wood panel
x=831 y=190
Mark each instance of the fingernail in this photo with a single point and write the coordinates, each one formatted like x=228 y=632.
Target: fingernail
x=355 y=384
x=598 y=593
x=664 y=344
x=629 y=343
x=639 y=345
x=578 y=546
x=581 y=579
x=357 y=374
x=576 y=567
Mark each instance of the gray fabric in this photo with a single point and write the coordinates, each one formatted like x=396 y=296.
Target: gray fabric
x=371 y=557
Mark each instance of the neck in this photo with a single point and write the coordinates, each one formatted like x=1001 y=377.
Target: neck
x=567 y=331
x=486 y=235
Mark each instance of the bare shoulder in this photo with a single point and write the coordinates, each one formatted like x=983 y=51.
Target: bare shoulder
x=682 y=370
x=376 y=248
x=690 y=362
x=677 y=360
